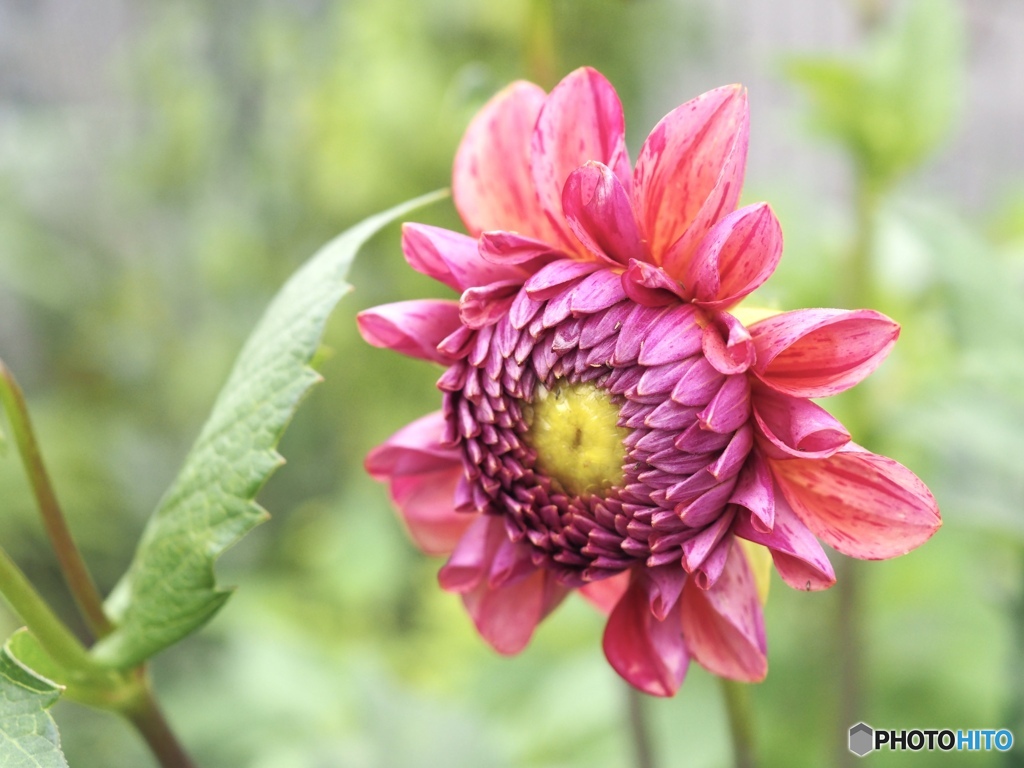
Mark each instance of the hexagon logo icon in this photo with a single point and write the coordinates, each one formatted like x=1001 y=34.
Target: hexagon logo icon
x=862 y=739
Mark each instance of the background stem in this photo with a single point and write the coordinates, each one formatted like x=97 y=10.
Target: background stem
x=145 y=714
x=741 y=724
x=72 y=566
x=639 y=728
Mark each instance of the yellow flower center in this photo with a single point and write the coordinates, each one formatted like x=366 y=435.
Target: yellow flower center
x=573 y=428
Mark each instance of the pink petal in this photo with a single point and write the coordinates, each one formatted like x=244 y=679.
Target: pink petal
x=821 y=352
x=471 y=560
x=649 y=654
x=491 y=183
x=426 y=502
x=507 y=616
x=414 y=449
x=729 y=408
x=793 y=427
x=414 y=328
x=799 y=558
x=423 y=477
x=451 y=258
x=724 y=626
x=689 y=173
x=650 y=285
x=606 y=593
x=739 y=253
x=727 y=345
x=581 y=121
x=864 y=505
x=600 y=214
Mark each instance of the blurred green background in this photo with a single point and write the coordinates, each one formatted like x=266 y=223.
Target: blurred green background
x=165 y=165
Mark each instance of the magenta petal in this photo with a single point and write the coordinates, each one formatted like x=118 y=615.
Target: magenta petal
x=862 y=504
x=649 y=654
x=486 y=305
x=491 y=183
x=664 y=585
x=451 y=258
x=794 y=427
x=581 y=121
x=739 y=253
x=821 y=352
x=724 y=626
x=549 y=281
x=729 y=408
x=600 y=214
x=650 y=285
x=510 y=249
x=799 y=558
x=755 y=491
x=689 y=173
x=414 y=328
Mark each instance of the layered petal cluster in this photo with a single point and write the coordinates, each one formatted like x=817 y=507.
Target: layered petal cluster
x=586 y=278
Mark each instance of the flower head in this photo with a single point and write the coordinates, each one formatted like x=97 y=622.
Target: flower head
x=609 y=423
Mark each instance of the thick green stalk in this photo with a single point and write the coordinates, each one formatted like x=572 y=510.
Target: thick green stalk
x=55 y=638
x=741 y=723
x=72 y=566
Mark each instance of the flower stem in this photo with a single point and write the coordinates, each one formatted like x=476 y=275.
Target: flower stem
x=144 y=713
x=55 y=638
x=639 y=728
x=741 y=724
x=72 y=566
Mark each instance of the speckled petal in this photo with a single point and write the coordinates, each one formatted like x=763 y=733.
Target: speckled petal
x=821 y=352
x=724 y=626
x=598 y=211
x=862 y=504
x=793 y=427
x=689 y=173
x=739 y=253
x=581 y=121
x=491 y=183
x=798 y=557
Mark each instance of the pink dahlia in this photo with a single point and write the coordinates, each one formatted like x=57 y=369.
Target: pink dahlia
x=608 y=423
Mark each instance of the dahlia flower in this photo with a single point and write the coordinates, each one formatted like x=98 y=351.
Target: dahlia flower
x=609 y=422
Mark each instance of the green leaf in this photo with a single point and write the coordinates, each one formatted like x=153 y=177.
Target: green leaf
x=170 y=588
x=28 y=735
x=892 y=105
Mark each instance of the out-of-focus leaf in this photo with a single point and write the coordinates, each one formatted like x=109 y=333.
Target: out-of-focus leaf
x=170 y=588
x=894 y=103
x=28 y=735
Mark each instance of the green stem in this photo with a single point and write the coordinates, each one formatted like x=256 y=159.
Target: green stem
x=55 y=638
x=848 y=635
x=741 y=723
x=639 y=728
x=72 y=566
x=144 y=713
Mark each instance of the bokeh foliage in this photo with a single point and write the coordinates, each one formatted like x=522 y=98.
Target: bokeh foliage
x=140 y=245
